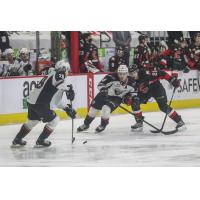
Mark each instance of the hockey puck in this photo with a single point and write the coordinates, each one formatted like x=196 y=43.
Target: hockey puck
x=85 y=142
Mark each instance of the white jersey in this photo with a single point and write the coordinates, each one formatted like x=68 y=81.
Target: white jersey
x=117 y=88
x=3 y=69
x=49 y=90
x=25 y=68
x=10 y=68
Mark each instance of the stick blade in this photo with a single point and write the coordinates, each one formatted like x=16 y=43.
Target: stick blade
x=73 y=139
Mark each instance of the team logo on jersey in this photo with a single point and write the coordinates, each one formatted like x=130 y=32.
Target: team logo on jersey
x=118 y=91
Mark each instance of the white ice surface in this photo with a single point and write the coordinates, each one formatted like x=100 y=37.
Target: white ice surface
x=117 y=146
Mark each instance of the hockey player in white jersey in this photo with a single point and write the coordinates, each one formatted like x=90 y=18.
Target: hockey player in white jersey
x=48 y=93
x=11 y=64
x=25 y=68
x=113 y=89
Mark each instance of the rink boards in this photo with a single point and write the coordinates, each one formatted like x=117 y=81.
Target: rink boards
x=14 y=92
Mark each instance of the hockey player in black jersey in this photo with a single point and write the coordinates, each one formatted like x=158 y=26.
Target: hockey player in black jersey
x=116 y=60
x=47 y=93
x=148 y=85
x=113 y=88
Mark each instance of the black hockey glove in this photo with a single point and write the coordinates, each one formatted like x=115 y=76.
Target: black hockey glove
x=175 y=82
x=186 y=69
x=70 y=111
x=104 y=92
x=128 y=100
x=27 y=67
x=70 y=93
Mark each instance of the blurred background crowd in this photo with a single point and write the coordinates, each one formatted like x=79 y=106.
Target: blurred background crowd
x=21 y=55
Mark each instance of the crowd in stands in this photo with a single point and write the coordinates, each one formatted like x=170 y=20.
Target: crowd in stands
x=177 y=53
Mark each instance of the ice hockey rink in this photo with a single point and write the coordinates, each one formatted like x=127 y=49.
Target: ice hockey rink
x=117 y=146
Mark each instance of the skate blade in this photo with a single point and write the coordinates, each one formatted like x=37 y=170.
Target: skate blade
x=182 y=129
x=36 y=146
x=16 y=146
x=137 y=130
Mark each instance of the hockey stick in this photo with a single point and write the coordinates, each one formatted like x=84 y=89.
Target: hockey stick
x=157 y=131
x=73 y=138
x=163 y=132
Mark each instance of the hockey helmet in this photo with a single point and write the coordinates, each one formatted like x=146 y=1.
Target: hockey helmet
x=8 y=51
x=122 y=69
x=62 y=65
x=142 y=37
x=133 y=68
x=24 y=51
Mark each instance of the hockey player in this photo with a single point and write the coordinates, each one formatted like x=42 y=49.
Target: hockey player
x=116 y=60
x=25 y=68
x=113 y=88
x=11 y=64
x=148 y=85
x=47 y=94
x=143 y=52
x=195 y=52
x=181 y=56
x=90 y=59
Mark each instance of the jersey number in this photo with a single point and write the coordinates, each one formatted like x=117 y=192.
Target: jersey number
x=41 y=83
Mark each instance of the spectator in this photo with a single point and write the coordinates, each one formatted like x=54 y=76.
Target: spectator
x=116 y=60
x=91 y=59
x=4 y=41
x=123 y=39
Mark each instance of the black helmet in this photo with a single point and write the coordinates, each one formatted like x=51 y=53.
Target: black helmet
x=142 y=37
x=133 y=68
x=197 y=34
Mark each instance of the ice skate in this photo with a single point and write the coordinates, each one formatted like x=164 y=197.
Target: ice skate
x=18 y=143
x=82 y=128
x=138 y=127
x=42 y=143
x=100 y=128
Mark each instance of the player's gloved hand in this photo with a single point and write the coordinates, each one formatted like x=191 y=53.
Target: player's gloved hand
x=186 y=69
x=128 y=100
x=104 y=92
x=143 y=88
x=27 y=67
x=70 y=93
x=70 y=111
x=175 y=82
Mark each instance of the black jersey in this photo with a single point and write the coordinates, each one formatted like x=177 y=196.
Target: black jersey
x=115 y=62
x=148 y=78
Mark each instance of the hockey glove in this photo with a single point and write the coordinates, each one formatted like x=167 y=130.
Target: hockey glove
x=27 y=68
x=70 y=111
x=186 y=69
x=175 y=82
x=128 y=100
x=70 y=93
x=143 y=88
